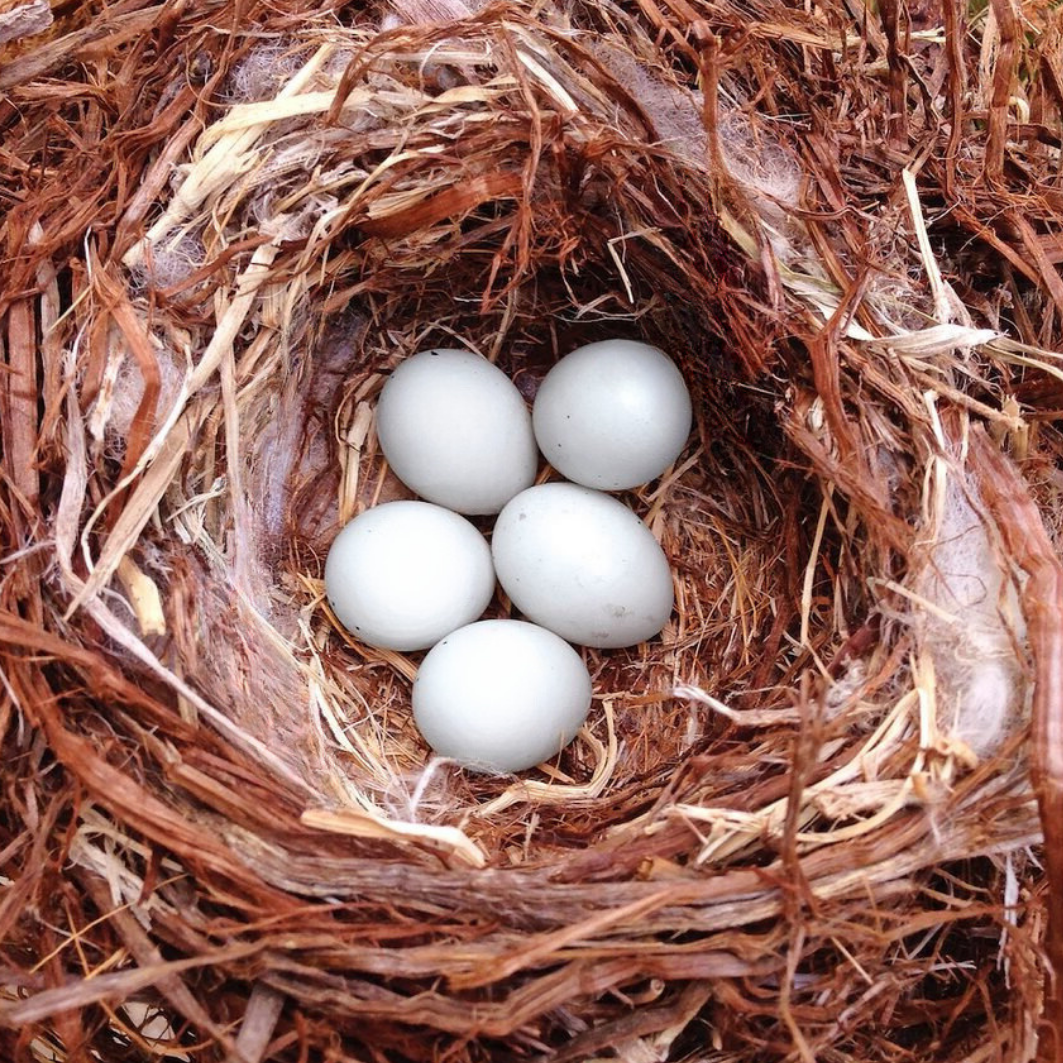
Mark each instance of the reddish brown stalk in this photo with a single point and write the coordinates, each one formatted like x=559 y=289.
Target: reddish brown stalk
x=895 y=26
x=1004 y=71
x=955 y=28
x=1028 y=544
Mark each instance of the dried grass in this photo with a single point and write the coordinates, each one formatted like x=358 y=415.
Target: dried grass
x=820 y=817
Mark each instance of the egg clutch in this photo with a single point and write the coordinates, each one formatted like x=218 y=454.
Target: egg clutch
x=505 y=695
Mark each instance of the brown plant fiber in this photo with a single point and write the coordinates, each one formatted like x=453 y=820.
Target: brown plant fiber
x=820 y=817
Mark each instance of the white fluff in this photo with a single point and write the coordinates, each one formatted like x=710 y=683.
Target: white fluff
x=172 y=261
x=973 y=628
x=769 y=177
x=261 y=73
x=121 y=390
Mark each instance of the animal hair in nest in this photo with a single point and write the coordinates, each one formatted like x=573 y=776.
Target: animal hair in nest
x=817 y=817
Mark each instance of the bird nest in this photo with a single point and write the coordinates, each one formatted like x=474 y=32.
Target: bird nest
x=805 y=822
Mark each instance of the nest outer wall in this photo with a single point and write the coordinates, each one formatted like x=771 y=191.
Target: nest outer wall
x=804 y=823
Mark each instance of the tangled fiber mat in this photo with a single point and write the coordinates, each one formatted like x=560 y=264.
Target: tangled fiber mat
x=820 y=817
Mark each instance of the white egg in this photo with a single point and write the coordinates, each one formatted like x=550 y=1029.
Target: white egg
x=455 y=429
x=612 y=415
x=402 y=575
x=501 y=695
x=583 y=565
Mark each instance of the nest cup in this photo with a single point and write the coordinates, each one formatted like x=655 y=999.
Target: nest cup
x=798 y=824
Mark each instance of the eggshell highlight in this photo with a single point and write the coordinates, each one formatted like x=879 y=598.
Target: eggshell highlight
x=402 y=575
x=501 y=695
x=583 y=565
x=613 y=415
x=454 y=429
